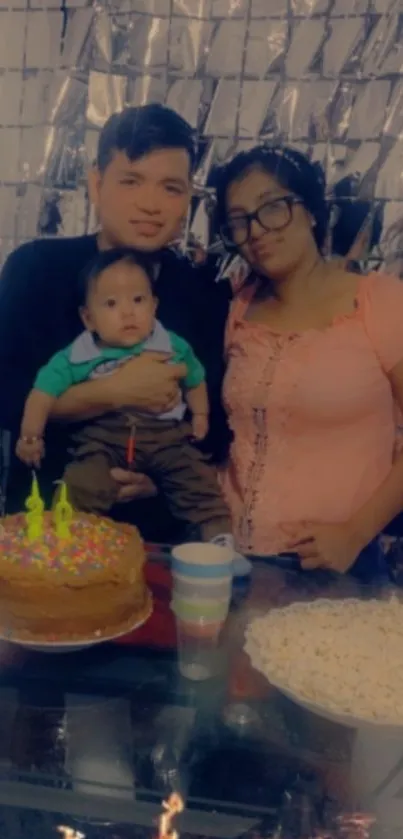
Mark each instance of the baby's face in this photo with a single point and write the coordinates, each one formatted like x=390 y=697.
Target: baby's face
x=120 y=306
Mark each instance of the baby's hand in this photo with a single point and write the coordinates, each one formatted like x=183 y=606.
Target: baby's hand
x=30 y=450
x=199 y=426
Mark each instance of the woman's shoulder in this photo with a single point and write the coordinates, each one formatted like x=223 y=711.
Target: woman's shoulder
x=380 y=289
x=382 y=306
x=370 y=288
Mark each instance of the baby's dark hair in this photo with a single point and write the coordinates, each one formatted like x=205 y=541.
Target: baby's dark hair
x=105 y=259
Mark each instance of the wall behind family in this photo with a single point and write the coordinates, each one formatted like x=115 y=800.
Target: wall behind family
x=324 y=75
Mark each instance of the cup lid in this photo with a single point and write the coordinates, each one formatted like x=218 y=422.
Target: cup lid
x=203 y=553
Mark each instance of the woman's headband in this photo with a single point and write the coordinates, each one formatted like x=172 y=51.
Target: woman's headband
x=283 y=153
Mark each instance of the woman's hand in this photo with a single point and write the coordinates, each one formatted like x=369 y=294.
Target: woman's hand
x=146 y=382
x=331 y=546
x=133 y=485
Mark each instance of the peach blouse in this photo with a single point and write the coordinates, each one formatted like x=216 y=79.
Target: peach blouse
x=313 y=415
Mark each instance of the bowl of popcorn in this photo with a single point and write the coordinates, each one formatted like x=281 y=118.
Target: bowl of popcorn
x=341 y=659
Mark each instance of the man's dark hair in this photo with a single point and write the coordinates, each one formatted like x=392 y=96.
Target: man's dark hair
x=104 y=260
x=139 y=131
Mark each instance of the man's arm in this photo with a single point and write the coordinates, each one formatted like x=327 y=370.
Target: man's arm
x=21 y=324
x=147 y=383
x=83 y=402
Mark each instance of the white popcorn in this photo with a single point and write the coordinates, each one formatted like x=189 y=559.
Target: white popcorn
x=343 y=655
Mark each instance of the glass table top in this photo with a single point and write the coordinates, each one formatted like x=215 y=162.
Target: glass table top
x=92 y=742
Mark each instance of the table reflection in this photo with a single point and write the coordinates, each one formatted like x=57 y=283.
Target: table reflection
x=100 y=737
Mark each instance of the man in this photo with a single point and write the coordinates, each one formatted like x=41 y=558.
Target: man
x=140 y=187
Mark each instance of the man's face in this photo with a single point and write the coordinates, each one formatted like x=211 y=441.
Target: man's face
x=142 y=203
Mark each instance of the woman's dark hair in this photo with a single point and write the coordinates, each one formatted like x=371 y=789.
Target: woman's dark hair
x=142 y=130
x=351 y=215
x=292 y=169
x=104 y=260
x=306 y=179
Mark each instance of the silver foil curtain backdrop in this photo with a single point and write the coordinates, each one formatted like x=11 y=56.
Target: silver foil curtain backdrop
x=323 y=75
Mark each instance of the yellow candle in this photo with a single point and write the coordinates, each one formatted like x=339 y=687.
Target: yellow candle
x=63 y=514
x=35 y=526
x=34 y=517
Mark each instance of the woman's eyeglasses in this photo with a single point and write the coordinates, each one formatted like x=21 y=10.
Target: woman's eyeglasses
x=273 y=215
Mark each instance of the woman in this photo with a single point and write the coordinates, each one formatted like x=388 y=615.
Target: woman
x=315 y=373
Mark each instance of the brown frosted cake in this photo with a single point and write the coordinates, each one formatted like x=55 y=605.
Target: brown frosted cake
x=89 y=586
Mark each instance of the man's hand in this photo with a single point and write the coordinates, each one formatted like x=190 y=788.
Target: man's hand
x=133 y=485
x=147 y=382
x=331 y=546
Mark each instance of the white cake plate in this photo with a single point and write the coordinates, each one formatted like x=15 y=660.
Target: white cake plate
x=71 y=646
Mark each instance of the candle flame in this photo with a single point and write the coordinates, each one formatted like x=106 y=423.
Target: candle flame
x=171 y=807
x=355 y=825
x=69 y=833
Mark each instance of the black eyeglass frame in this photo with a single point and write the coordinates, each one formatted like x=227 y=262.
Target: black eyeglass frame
x=289 y=200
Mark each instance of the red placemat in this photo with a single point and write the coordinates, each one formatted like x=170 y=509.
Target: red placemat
x=159 y=630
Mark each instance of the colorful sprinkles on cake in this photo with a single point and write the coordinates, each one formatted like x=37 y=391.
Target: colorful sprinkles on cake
x=93 y=544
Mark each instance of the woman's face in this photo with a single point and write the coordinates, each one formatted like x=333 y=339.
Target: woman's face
x=276 y=244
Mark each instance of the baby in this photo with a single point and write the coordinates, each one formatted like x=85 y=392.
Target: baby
x=118 y=311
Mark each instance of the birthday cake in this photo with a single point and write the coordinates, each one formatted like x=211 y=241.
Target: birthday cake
x=87 y=584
